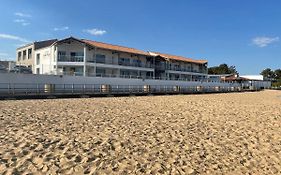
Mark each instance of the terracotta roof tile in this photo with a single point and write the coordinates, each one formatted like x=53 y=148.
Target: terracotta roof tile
x=115 y=47
x=179 y=58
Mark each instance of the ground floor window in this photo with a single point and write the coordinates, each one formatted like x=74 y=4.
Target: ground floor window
x=100 y=72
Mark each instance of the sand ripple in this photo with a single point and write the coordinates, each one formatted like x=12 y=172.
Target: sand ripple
x=235 y=133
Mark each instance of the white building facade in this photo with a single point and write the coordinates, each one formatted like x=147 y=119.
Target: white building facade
x=78 y=57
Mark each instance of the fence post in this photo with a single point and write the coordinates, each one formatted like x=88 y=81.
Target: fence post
x=72 y=88
x=84 y=88
x=26 y=89
x=13 y=89
x=9 y=86
x=37 y=88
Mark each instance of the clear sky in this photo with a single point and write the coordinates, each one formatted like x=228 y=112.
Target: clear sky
x=244 y=33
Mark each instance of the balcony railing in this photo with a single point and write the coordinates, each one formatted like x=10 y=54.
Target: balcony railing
x=73 y=73
x=120 y=63
x=186 y=70
x=70 y=58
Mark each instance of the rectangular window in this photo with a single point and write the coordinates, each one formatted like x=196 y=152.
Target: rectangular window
x=19 y=56
x=61 y=53
x=100 y=58
x=62 y=56
x=100 y=72
x=77 y=56
x=38 y=59
x=124 y=61
x=29 y=53
x=137 y=63
x=24 y=54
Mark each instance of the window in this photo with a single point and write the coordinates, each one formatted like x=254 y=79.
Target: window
x=24 y=54
x=100 y=72
x=124 y=61
x=124 y=72
x=76 y=56
x=137 y=63
x=177 y=67
x=100 y=58
x=62 y=53
x=62 y=56
x=29 y=53
x=19 y=56
x=38 y=59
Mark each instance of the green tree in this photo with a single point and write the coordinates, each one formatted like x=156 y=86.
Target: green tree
x=267 y=73
x=277 y=74
x=222 y=69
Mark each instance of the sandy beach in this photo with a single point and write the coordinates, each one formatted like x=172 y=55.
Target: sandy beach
x=235 y=133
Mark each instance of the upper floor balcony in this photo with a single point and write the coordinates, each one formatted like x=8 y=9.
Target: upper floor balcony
x=65 y=58
x=180 y=69
x=122 y=63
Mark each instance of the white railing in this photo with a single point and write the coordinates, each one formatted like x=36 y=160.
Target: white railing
x=24 y=90
x=70 y=58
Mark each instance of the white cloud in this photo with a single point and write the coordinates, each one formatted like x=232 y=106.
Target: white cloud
x=19 y=20
x=23 y=15
x=95 y=32
x=264 y=41
x=13 y=37
x=19 y=45
x=23 y=22
x=61 y=28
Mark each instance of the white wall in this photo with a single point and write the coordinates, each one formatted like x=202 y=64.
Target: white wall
x=55 y=79
x=256 y=84
x=47 y=61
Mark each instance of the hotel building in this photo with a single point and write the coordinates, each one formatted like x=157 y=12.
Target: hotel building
x=80 y=57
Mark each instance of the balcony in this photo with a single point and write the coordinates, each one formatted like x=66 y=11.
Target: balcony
x=137 y=64
x=121 y=63
x=186 y=70
x=73 y=73
x=70 y=58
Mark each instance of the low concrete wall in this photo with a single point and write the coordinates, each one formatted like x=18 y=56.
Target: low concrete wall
x=11 y=78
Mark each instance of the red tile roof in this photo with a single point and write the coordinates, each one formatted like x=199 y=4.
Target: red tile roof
x=139 y=52
x=115 y=47
x=233 y=78
x=178 y=58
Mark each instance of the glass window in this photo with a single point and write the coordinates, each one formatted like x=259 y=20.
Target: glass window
x=137 y=63
x=100 y=58
x=62 y=53
x=29 y=53
x=62 y=56
x=38 y=59
x=124 y=61
x=19 y=55
x=100 y=72
x=24 y=54
x=77 y=56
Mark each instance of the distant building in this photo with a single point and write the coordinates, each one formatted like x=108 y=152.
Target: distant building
x=251 y=82
x=6 y=66
x=218 y=78
x=26 y=54
x=255 y=82
x=80 y=57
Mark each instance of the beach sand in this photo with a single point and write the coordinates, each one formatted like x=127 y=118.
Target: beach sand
x=235 y=133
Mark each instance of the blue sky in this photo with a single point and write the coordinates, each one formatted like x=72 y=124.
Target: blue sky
x=246 y=34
